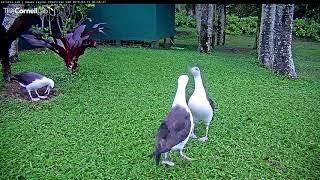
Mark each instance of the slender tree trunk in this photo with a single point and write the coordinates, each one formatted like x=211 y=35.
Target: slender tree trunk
x=8 y=50
x=7 y=22
x=283 y=60
x=204 y=13
x=6 y=67
x=266 y=48
x=214 y=25
x=221 y=24
x=256 y=42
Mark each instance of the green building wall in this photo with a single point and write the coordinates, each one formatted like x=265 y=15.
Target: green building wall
x=142 y=22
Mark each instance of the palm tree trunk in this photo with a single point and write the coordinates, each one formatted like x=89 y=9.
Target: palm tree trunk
x=283 y=60
x=221 y=24
x=204 y=14
x=265 y=47
x=256 y=42
x=214 y=25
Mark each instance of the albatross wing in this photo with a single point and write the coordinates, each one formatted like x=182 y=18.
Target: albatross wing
x=211 y=103
x=26 y=78
x=173 y=130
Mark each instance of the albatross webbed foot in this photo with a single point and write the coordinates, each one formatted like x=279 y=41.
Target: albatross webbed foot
x=204 y=139
x=43 y=97
x=166 y=162
x=32 y=98
x=185 y=157
x=35 y=99
x=193 y=136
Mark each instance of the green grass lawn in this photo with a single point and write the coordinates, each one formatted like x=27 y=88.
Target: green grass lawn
x=105 y=117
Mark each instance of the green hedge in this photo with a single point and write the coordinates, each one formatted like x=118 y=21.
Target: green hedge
x=248 y=25
x=183 y=20
x=305 y=29
x=237 y=26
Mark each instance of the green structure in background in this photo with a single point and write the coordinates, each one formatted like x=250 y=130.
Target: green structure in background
x=135 y=22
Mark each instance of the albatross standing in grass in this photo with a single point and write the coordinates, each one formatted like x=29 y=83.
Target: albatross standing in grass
x=34 y=81
x=200 y=104
x=175 y=130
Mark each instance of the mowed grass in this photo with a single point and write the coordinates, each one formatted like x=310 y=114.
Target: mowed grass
x=103 y=122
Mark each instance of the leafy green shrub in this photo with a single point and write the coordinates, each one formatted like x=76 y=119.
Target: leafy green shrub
x=183 y=20
x=305 y=29
x=237 y=26
x=233 y=25
x=248 y=25
x=299 y=27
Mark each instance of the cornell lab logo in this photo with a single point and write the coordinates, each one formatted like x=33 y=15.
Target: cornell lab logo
x=46 y=10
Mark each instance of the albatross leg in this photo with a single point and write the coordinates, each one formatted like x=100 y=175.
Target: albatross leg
x=41 y=97
x=205 y=138
x=166 y=161
x=184 y=156
x=47 y=91
x=193 y=135
x=32 y=99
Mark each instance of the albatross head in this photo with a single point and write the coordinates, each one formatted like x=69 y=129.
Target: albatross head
x=195 y=71
x=50 y=85
x=183 y=80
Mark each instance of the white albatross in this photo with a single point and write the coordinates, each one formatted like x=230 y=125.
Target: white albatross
x=200 y=104
x=32 y=82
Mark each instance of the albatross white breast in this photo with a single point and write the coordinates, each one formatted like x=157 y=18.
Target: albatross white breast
x=34 y=81
x=175 y=130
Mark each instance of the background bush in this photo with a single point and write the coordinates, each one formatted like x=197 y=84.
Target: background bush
x=244 y=25
x=183 y=20
x=236 y=25
x=305 y=29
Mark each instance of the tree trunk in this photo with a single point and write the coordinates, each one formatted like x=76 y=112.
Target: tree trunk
x=204 y=14
x=6 y=69
x=214 y=25
x=221 y=24
x=283 y=60
x=7 y=22
x=256 y=42
x=266 y=48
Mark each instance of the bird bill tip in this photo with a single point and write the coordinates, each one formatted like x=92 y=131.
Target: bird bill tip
x=183 y=78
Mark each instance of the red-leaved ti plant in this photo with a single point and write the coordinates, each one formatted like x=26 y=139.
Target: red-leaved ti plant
x=69 y=46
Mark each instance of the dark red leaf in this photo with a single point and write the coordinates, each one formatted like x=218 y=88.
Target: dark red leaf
x=77 y=32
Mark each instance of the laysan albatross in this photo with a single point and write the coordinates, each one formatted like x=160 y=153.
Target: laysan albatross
x=32 y=82
x=200 y=104
x=175 y=130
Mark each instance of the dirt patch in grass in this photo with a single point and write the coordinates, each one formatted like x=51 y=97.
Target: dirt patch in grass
x=13 y=89
x=276 y=164
x=237 y=50
x=184 y=33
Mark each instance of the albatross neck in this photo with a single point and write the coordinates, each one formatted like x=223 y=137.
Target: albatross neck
x=180 y=98
x=198 y=84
